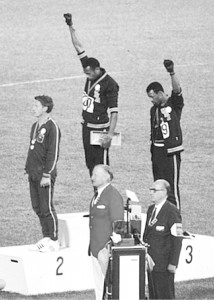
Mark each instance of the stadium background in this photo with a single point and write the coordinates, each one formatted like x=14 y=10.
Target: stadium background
x=131 y=38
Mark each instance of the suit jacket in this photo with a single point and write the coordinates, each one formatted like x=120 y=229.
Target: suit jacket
x=108 y=209
x=164 y=247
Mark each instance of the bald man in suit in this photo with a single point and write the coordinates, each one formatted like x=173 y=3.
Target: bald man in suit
x=163 y=233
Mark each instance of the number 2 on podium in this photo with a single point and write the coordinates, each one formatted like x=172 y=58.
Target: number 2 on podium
x=60 y=260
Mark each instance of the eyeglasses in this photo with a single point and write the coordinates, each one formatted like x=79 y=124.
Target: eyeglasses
x=155 y=190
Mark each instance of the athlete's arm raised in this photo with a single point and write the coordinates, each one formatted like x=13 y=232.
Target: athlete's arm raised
x=77 y=44
x=169 y=65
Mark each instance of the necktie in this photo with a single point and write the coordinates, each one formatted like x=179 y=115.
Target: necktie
x=152 y=218
x=94 y=198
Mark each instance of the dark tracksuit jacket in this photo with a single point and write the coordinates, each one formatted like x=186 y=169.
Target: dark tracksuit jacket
x=167 y=143
x=41 y=162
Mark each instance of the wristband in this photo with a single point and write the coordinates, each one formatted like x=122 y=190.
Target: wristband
x=172 y=73
x=46 y=175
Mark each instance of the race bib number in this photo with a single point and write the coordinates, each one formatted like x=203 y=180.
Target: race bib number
x=164 y=129
x=87 y=103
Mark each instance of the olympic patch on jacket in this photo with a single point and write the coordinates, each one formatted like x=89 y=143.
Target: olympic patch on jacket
x=41 y=135
x=160 y=228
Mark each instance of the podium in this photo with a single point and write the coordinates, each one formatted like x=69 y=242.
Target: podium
x=69 y=269
x=128 y=273
x=31 y=273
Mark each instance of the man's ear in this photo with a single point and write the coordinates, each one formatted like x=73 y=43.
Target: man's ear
x=97 y=70
x=160 y=94
x=45 y=108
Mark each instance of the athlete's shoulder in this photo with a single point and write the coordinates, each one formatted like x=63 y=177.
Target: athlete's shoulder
x=112 y=81
x=176 y=97
x=111 y=85
x=51 y=124
x=107 y=78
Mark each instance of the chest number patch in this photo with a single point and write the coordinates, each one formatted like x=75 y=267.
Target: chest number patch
x=87 y=103
x=164 y=129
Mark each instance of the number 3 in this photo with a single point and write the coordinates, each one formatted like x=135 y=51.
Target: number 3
x=190 y=249
x=61 y=260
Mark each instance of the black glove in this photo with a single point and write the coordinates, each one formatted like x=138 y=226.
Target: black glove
x=169 y=65
x=68 y=19
x=105 y=141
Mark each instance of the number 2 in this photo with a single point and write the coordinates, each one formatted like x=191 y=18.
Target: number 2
x=61 y=260
x=190 y=249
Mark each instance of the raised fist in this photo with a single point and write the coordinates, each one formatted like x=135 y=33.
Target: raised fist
x=68 y=19
x=169 y=65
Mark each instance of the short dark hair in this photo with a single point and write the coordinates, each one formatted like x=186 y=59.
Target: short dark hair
x=91 y=62
x=155 y=86
x=45 y=101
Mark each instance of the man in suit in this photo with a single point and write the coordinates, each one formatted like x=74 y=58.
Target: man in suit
x=106 y=207
x=163 y=233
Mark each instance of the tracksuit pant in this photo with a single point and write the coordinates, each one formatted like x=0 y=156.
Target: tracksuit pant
x=167 y=167
x=42 y=203
x=94 y=154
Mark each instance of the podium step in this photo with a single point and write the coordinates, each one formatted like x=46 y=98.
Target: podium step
x=69 y=269
x=31 y=273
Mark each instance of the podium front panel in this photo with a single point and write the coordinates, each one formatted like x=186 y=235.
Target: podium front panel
x=128 y=273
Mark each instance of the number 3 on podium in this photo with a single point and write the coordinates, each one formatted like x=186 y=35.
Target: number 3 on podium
x=189 y=248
